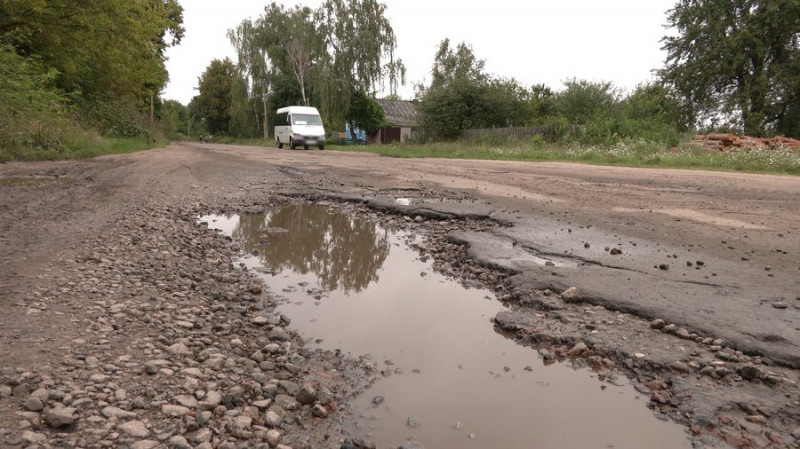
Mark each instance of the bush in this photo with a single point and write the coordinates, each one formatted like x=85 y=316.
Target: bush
x=117 y=117
x=609 y=131
x=33 y=116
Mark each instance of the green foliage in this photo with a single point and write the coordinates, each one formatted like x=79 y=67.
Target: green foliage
x=739 y=59
x=365 y=113
x=462 y=96
x=460 y=65
x=214 y=101
x=242 y=122
x=103 y=47
x=583 y=101
x=656 y=101
x=174 y=119
x=71 y=68
x=610 y=131
x=554 y=128
x=116 y=117
x=33 y=115
x=292 y=41
x=256 y=68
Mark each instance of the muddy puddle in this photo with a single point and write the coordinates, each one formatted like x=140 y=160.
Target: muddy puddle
x=448 y=379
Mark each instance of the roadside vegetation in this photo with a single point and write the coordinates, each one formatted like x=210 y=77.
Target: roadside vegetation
x=68 y=90
x=627 y=154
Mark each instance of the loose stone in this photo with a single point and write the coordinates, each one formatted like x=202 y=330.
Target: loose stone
x=319 y=411
x=61 y=417
x=273 y=419
x=114 y=412
x=34 y=404
x=136 y=429
x=273 y=437
x=572 y=295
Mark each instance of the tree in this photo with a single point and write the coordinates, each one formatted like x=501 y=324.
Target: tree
x=657 y=101
x=292 y=40
x=365 y=113
x=358 y=39
x=32 y=110
x=459 y=65
x=738 y=58
x=255 y=66
x=174 y=119
x=214 y=100
x=102 y=48
x=461 y=96
x=242 y=122
x=583 y=101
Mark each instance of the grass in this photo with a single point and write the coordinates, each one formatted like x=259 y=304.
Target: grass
x=627 y=154
x=79 y=145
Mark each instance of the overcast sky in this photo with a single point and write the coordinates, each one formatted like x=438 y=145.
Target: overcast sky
x=533 y=41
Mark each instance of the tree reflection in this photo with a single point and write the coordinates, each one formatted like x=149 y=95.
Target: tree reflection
x=345 y=252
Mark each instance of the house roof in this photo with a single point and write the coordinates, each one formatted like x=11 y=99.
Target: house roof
x=400 y=112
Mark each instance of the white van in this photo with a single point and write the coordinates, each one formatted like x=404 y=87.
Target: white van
x=299 y=125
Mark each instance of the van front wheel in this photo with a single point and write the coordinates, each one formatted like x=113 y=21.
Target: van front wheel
x=291 y=144
x=321 y=147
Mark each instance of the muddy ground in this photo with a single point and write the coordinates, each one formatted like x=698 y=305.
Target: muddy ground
x=125 y=324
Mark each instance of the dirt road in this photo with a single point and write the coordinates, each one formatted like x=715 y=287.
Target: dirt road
x=707 y=265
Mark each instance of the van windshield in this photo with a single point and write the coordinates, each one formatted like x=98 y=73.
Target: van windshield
x=306 y=119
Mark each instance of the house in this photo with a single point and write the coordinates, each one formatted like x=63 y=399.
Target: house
x=402 y=116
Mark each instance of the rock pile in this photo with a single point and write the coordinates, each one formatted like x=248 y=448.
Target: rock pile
x=726 y=142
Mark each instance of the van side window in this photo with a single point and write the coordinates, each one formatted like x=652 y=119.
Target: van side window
x=282 y=120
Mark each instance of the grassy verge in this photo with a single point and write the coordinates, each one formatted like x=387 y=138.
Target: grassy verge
x=627 y=154
x=80 y=146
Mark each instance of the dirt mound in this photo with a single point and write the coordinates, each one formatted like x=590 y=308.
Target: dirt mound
x=725 y=142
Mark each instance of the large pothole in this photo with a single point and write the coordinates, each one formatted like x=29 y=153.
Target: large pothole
x=448 y=378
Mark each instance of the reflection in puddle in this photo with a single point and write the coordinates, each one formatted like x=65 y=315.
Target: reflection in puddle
x=343 y=252
x=450 y=380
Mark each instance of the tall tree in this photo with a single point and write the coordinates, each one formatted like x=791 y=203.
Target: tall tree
x=214 y=101
x=458 y=65
x=740 y=58
x=255 y=66
x=293 y=41
x=360 y=44
x=462 y=96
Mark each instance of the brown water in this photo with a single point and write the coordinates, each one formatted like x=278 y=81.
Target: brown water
x=349 y=284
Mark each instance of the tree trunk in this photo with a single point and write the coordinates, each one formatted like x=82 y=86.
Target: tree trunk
x=255 y=114
x=266 y=124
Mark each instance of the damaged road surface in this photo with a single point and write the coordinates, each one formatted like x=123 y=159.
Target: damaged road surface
x=129 y=323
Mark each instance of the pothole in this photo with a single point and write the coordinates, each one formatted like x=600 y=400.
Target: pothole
x=448 y=379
